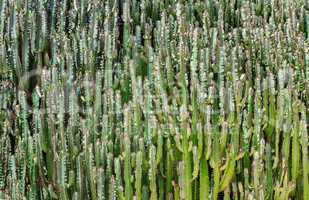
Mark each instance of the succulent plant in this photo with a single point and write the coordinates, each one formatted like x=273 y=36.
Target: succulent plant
x=153 y=100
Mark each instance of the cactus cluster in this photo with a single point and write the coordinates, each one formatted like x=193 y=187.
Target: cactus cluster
x=154 y=99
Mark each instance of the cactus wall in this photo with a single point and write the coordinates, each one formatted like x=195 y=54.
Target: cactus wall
x=154 y=99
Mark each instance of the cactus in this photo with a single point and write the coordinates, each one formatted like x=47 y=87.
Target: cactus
x=154 y=99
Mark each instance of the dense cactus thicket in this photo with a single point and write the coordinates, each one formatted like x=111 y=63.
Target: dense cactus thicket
x=154 y=99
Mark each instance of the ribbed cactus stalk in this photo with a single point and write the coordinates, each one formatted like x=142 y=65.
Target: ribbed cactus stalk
x=186 y=154
x=118 y=180
x=152 y=173
x=138 y=175
x=304 y=144
x=127 y=168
